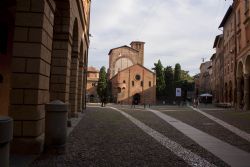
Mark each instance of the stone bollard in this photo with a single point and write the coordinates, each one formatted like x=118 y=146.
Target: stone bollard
x=56 y=125
x=6 y=134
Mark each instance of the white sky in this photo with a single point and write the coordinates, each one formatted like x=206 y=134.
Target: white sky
x=175 y=31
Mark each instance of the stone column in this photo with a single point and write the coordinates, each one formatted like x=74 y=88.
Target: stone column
x=238 y=92
x=56 y=125
x=6 y=131
x=246 y=91
x=31 y=59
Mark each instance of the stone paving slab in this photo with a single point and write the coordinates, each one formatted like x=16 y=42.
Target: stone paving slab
x=228 y=153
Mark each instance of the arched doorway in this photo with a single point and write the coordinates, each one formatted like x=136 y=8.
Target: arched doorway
x=136 y=99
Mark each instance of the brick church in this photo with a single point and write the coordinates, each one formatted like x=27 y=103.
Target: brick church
x=131 y=81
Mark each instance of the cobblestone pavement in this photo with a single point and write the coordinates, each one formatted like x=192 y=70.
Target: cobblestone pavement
x=238 y=119
x=204 y=124
x=104 y=137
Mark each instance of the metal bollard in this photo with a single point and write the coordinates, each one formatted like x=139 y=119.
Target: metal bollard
x=56 y=124
x=6 y=135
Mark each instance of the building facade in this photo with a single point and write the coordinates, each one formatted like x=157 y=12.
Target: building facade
x=43 y=57
x=205 y=78
x=92 y=81
x=135 y=84
x=241 y=12
x=218 y=70
x=228 y=23
x=131 y=81
x=125 y=56
x=236 y=51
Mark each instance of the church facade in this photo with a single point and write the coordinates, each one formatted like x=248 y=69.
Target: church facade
x=131 y=81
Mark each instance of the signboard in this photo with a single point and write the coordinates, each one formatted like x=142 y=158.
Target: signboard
x=178 y=92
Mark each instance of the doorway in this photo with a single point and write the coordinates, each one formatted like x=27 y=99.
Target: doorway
x=136 y=99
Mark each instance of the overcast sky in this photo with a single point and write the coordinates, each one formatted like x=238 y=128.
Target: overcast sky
x=175 y=31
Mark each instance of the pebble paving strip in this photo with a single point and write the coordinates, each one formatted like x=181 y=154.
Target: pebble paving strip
x=105 y=138
x=188 y=156
x=233 y=129
x=228 y=153
x=205 y=124
x=173 y=134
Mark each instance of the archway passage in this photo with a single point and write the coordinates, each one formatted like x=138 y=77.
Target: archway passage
x=80 y=80
x=60 y=59
x=226 y=93
x=240 y=86
x=230 y=95
x=136 y=99
x=85 y=71
x=247 y=84
x=7 y=25
x=74 y=67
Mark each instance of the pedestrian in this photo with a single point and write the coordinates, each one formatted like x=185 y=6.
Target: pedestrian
x=197 y=102
x=133 y=104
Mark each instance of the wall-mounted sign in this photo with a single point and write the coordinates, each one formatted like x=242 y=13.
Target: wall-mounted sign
x=178 y=92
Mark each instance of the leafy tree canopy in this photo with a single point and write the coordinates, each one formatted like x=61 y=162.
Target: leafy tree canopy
x=177 y=72
x=102 y=83
x=160 y=82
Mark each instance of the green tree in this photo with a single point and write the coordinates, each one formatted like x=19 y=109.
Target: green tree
x=102 y=86
x=160 y=83
x=177 y=72
x=169 y=83
x=185 y=76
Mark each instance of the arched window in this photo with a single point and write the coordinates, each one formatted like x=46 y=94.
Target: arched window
x=124 y=81
x=149 y=84
x=133 y=83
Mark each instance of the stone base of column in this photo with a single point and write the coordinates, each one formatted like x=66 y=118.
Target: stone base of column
x=25 y=145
